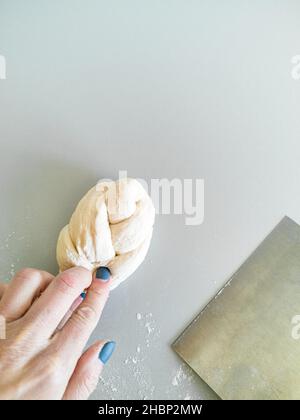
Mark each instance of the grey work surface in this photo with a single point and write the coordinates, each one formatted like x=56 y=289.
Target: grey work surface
x=174 y=89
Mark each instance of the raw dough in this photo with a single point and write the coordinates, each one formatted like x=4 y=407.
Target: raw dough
x=111 y=226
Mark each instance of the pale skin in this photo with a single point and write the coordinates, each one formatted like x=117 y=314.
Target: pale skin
x=38 y=360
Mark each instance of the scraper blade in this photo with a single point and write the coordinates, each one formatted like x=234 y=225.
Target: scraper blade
x=244 y=343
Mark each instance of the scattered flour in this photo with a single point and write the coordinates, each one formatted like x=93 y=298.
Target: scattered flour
x=182 y=384
x=183 y=375
x=108 y=386
x=6 y=241
x=137 y=373
x=12 y=270
x=136 y=363
x=9 y=254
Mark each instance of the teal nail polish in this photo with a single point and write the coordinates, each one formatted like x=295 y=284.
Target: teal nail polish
x=103 y=274
x=106 y=351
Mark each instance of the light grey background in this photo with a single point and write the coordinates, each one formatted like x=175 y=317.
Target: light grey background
x=185 y=89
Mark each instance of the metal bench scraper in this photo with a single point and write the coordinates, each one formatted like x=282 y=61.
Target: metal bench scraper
x=244 y=343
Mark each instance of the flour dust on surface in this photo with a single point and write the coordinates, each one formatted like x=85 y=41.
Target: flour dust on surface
x=135 y=378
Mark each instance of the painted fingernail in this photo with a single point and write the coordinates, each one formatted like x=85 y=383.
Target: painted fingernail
x=103 y=274
x=83 y=295
x=106 y=351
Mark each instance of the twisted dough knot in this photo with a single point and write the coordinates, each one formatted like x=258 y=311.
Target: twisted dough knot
x=111 y=226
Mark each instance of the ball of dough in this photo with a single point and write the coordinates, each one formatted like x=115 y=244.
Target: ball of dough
x=112 y=226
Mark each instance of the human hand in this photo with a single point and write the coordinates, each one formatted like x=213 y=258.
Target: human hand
x=48 y=323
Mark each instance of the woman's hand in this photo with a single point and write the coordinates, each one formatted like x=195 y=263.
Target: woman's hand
x=48 y=323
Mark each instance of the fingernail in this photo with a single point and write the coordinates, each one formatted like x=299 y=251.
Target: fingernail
x=83 y=295
x=103 y=273
x=106 y=351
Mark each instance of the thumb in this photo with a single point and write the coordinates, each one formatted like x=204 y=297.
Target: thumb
x=86 y=375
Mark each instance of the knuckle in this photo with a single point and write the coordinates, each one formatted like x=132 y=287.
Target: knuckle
x=66 y=282
x=88 y=383
x=74 y=279
x=101 y=293
x=46 y=274
x=26 y=273
x=85 y=315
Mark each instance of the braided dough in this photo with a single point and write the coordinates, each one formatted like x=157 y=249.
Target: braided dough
x=111 y=226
